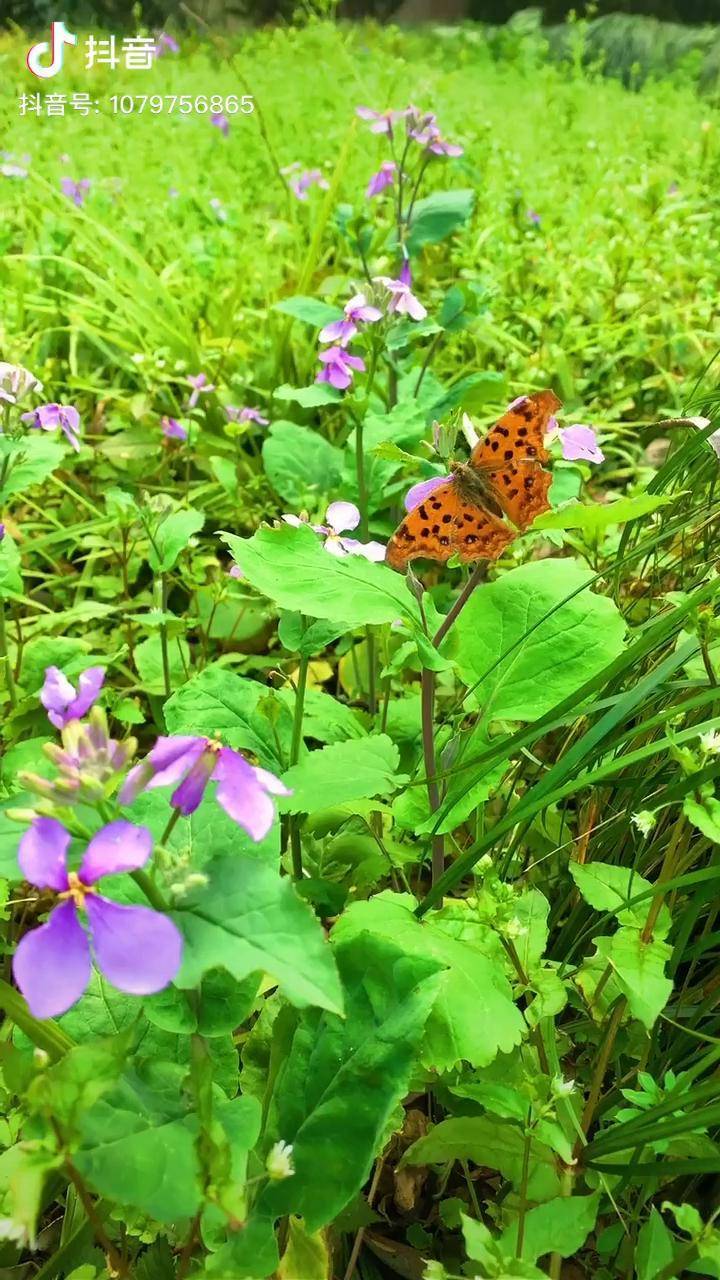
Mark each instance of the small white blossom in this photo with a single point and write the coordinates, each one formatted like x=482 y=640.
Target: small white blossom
x=10 y=1230
x=710 y=743
x=562 y=1088
x=514 y=928
x=279 y=1163
x=644 y=821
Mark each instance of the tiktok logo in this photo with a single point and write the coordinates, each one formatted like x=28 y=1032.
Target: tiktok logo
x=59 y=37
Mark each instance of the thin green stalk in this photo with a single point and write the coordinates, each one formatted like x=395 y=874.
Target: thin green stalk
x=601 y=1065
x=164 y=637
x=428 y=738
x=9 y=676
x=150 y=889
x=522 y=1208
x=296 y=744
x=45 y=1035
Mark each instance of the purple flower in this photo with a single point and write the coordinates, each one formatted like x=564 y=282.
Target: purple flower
x=431 y=138
x=357 y=312
x=384 y=177
x=422 y=490
x=243 y=789
x=200 y=387
x=380 y=121
x=417 y=122
x=339 y=367
x=246 y=414
x=342 y=517
x=235 y=571
x=579 y=443
x=87 y=761
x=533 y=216
x=405 y=276
x=221 y=122
x=166 y=42
x=2 y=531
x=673 y=189
x=62 y=702
x=307 y=179
x=75 y=191
x=137 y=949
x=402 y=300
x=173 y=429
x=48 y=417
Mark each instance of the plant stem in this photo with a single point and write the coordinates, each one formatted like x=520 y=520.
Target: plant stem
x=679 y=1263
x=426 y=363
x=164 y=637
x=116 y=1263
x=45 y=1035
x=522 y=1208
x=428 y=738
x=296 y=744
x=150 y=889
x=361 y=479
x=599 y=1073
x=9 y=677
x=476 y=577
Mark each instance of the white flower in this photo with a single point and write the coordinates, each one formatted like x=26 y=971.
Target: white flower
x=514 y=928
x=562 y=1088
x=710 y=742
x=10 y=1230
x=279 y=1163
x=15 y=382
x=644 y=821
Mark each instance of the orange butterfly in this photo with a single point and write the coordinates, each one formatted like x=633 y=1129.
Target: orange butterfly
x=504 y=476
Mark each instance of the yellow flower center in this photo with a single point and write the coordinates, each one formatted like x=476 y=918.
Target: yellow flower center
x=77 y=890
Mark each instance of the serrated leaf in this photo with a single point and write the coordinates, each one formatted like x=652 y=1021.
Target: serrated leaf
x=312 y=397
x=437 y=216
x=301 y=464
x=491 y=1142
x=171 y=537
x=310 y=310
x=248 y=919
x=528 y=644
x=354 y=770
x=30 y=460
x=218 y=701
x=474 y=1017
x=559 y=1226
x=609 y=888
x=592 y=517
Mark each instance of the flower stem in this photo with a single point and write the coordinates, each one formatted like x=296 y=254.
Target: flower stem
x=164 y=637
x=428 y=738
x=45 y=1035
x=170 y=826
x=295 y=746
x=9 y=677
x=150 y=889
x=522 y=1208
x=476 y=577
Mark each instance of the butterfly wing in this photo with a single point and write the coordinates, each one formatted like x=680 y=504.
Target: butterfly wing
x=445 y=524
x=512 y=454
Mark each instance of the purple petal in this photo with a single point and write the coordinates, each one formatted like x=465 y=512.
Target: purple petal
x=138 y=949
x=52 y=964
x=271 y=783
x=120 y=846
x=334 y=331
x=368 y=550
x=42 y=854
x=422 y=490
x=89 y=686
x=242 y=795
x=56 y=695
x=579 y=443
x=342 y=515
x=172 y=757
x=188 y=795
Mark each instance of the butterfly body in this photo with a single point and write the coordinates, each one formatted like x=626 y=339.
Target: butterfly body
x=504 y=477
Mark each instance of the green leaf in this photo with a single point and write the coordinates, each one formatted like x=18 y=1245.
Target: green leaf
x=556 y=643
x=291 y=567
x=655 y=1247
x=438 y=215
x=172 y=536
x=340 y=1081
x=324 y=718
x=363 y=767
x=10 y=575
x=299 y=635
x=592 y=517
x=148 y=660
x=310 y=310
x=491 y=1142
x=248 y=919
x=559 y=1226
x=31 y=459
x=473 y=1018
x=639 y=968
x=301 y=464
x=306 y=1254
x=218 y=701
x=312 y=397
x=609 y=888
x=704 y=813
